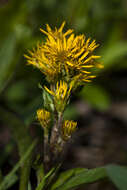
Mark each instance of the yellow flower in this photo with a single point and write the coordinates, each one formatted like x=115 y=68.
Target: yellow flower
x=44 y=117
x=68 y=128
x=61 y=94
x=38 y=59
x=65 y=55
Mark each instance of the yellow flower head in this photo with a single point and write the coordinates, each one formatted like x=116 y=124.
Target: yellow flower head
x=68 y=128
x=44 y=117
x=61 y=94
x=65 y=56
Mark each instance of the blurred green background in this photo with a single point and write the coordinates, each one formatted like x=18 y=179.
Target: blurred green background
x=20 y=21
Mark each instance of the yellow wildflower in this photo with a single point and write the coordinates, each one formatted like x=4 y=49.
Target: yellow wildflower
x=68 y=128
x=38 y=59
x=65 y=55
x=44 y=117
x=61 y=94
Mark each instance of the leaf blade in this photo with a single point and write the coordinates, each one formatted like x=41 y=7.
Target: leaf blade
x=118 y=175
x=90 y=176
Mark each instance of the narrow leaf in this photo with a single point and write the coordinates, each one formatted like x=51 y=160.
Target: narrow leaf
x=13 y=179
x=6 y=181
x=64 y=176
x=85 y=177
x=43 y=182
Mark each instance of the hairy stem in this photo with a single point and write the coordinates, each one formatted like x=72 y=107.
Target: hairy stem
x=46 y=151
x=56 y=130
x=54 y=141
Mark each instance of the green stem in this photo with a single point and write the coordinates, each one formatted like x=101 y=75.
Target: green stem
x=24 y=175
x=46 y=151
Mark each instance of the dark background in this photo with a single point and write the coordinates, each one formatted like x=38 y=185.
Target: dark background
x=100 y=107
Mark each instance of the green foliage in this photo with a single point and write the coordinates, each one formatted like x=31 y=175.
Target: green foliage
x=20 y=22
x=47 y=101
x=77 y=177
x=20 y=134
x=71 y=179
x=44 y=180
x=20 y=32
x=118 y=175
x=11 y=178
x=65 y=176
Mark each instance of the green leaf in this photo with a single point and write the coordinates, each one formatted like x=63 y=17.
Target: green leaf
x=88 y=176
x=96 y=96
x=118 y=175
x=64 y=176
x=47 y=101
x=11 y=177
x=40 y=173
x=43 y=182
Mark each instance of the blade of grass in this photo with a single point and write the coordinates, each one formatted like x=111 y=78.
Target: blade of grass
x=43 y=181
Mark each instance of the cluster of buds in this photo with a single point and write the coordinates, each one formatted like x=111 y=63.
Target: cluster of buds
x=60 y=94
x=67 y=61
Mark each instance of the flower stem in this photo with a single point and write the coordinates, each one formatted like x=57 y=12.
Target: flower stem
x=46 y=151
